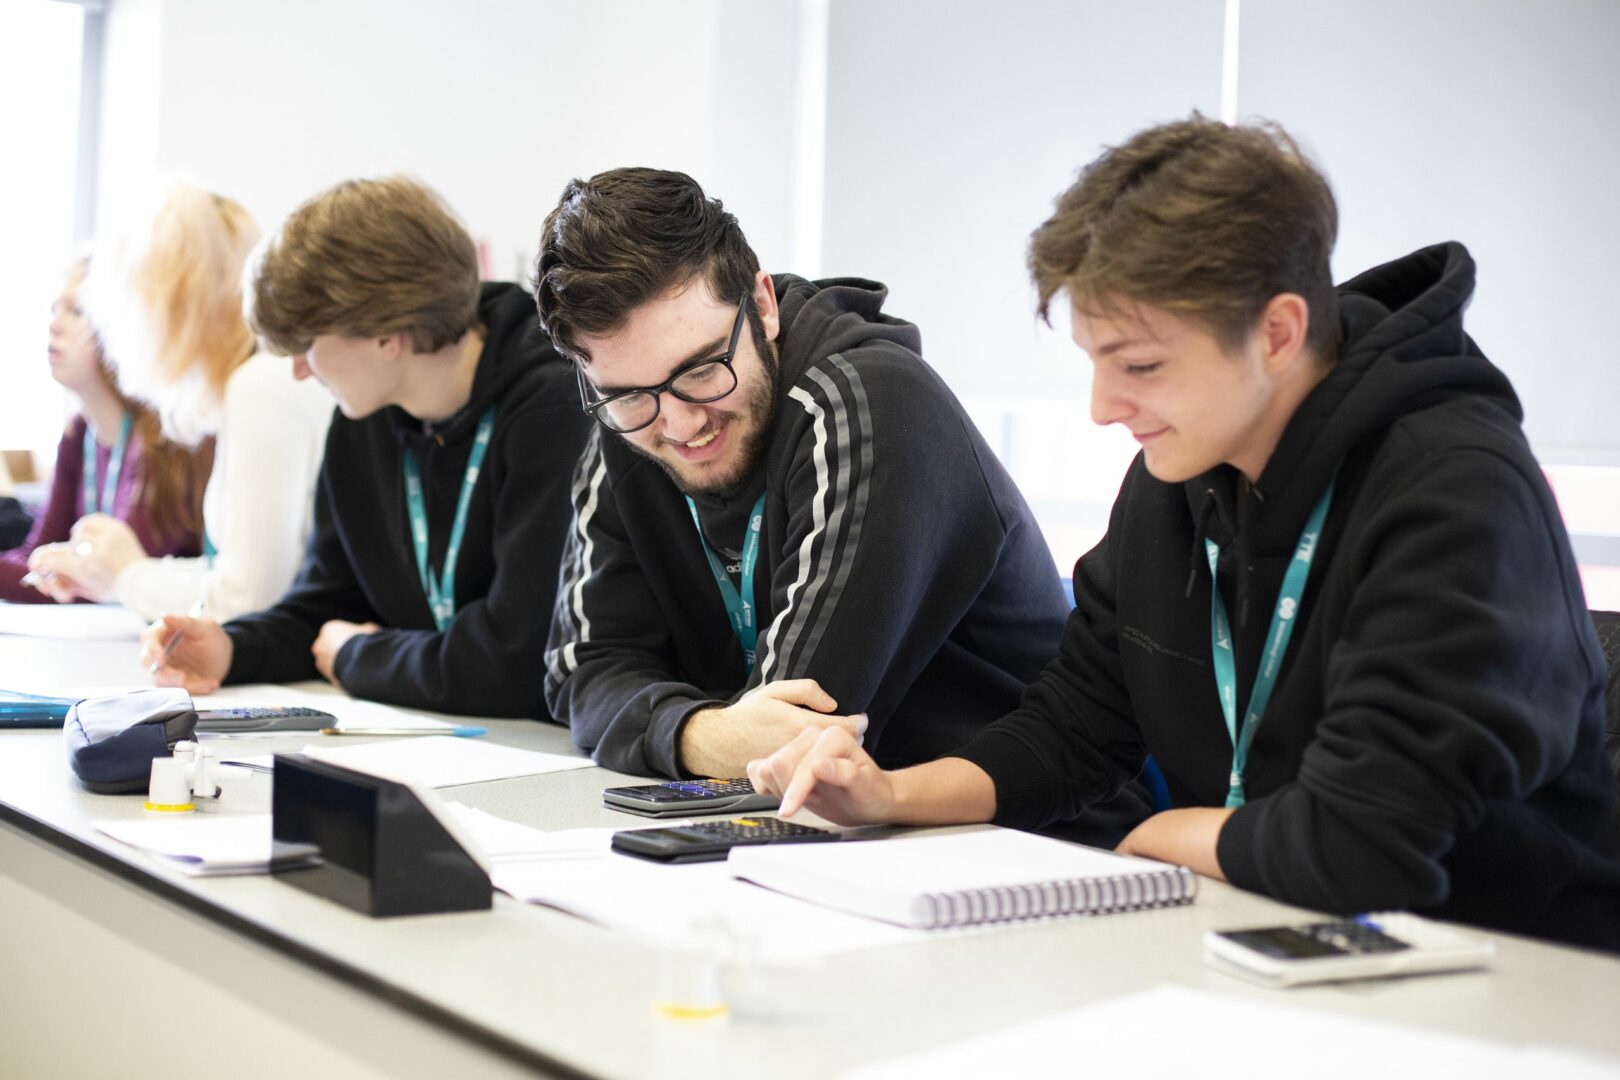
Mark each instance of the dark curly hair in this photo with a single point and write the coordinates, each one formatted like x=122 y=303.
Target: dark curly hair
x=626 y=236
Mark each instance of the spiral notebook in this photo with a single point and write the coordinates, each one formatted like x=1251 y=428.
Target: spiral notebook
x=963 y=879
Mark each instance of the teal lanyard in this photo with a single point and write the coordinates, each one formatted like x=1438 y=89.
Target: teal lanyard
x=101 y=492
x=441 y=590
x=739 y=607
x=1282 y=627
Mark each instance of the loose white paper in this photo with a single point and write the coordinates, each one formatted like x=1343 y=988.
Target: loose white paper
x=502 y=840
x=352 y=714
x=199 y=843
x=577 y=872
x=442 y=760
x=1174 y=1031
x=71 y=622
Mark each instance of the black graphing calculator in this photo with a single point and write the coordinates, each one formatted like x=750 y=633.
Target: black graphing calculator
x=293 y=719
x=710 y=841
x=1366 y=947
x=682 y=797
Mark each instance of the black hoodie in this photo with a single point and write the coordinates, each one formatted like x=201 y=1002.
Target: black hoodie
x=899 y=566
x=1434 y=741
x=361 y=564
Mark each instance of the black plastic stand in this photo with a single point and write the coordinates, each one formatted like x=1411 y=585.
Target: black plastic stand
x=382 y=852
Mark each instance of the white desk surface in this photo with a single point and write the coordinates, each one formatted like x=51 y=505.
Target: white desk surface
x=281 y=982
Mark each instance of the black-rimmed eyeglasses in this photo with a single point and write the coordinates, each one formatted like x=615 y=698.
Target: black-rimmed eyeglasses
x=699 y=383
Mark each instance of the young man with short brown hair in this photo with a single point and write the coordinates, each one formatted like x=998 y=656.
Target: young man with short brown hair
x=443 y=499
x=1335 y=601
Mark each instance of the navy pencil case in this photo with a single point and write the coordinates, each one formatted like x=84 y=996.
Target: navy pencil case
x=111 y=741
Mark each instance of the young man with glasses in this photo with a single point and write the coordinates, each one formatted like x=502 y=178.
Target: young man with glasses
x=1335 y=601
x=785 y=522
x=443 y=501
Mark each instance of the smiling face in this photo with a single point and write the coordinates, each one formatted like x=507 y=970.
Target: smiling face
x=73 y=355
x=1191 y=403
x=710 y=448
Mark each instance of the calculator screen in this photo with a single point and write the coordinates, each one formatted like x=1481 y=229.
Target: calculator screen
x=1284 y=943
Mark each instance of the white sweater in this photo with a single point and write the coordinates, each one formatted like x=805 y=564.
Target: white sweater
x=258 y=503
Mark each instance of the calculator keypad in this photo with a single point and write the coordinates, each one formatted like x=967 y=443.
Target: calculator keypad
x=712 y=840
x=264 y=713
x=1354 y=937
x=686 y=789
x=745 y=831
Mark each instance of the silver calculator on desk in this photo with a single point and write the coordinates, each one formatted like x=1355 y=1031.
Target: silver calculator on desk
x=682 y=797
x=1366 y=947
x=263 y=720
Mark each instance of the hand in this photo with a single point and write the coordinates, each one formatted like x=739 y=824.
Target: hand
x=105 y=546
x=721 y=742
x=54 y=567
x=182 y=651
x=335 y=634
x=826 y=771
x=1187 y=837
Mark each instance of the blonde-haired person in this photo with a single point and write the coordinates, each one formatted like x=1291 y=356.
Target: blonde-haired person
x=112 y=459
x=166 y=297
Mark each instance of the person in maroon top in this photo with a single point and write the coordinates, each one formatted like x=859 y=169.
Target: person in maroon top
x=134 y=475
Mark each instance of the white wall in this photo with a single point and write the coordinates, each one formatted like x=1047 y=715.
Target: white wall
x=1493 y=123
x=948 y=129
x=951 y=129
x=495 y=103
x=131 y=103
x=38 y=122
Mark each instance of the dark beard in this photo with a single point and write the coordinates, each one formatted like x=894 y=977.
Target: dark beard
x=761 y=403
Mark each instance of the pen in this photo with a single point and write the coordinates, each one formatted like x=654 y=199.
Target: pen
x=465 y=731
x=194 y=612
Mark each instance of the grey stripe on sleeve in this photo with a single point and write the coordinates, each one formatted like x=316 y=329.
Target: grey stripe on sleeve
x=839 y=515
x=577 y=562
x=766 y=669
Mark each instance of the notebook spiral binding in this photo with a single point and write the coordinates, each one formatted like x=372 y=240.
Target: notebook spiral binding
x=1094 y=896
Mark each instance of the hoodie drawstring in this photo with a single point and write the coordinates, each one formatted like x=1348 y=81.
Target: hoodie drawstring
x=1197 y=555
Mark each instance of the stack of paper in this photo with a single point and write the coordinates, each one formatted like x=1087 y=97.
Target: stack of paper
x=205 y=845
x=576 y=871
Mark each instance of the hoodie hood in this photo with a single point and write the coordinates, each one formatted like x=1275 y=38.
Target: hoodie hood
x=511 y=336
x=1403 y=349
x=820 y=318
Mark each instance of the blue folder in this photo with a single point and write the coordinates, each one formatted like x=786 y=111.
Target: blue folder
x=32 y=711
